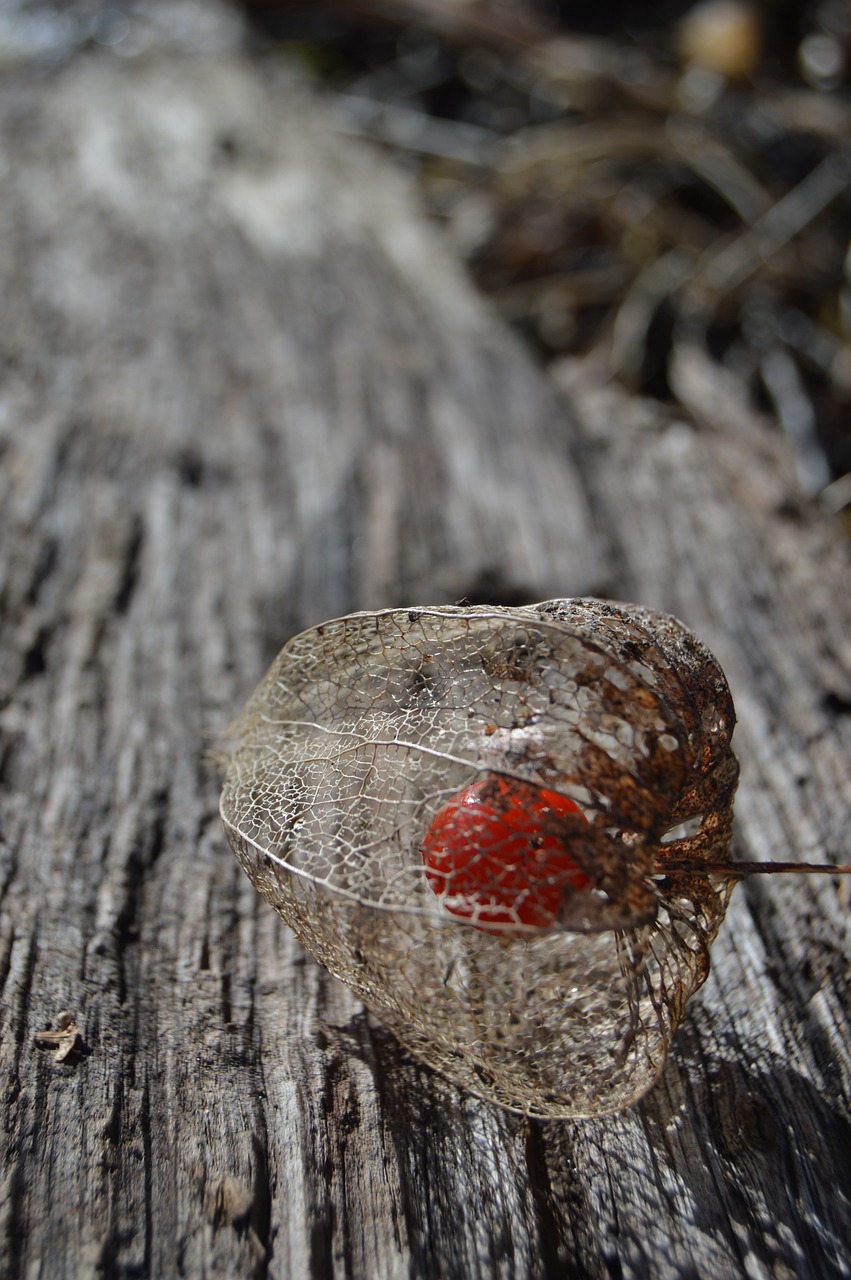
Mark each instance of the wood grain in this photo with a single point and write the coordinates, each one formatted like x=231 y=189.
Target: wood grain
x=245 y=388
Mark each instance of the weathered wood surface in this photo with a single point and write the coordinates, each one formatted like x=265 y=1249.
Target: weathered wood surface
x=243 y=389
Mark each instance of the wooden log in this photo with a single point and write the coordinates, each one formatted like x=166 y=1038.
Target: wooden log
x=246 y=388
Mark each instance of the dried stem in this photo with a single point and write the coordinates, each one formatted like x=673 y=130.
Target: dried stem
x=753 y=868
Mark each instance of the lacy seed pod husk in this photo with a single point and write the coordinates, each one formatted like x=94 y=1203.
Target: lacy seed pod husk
x=466 y=814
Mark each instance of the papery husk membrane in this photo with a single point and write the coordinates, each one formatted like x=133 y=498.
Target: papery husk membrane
x=365 y=727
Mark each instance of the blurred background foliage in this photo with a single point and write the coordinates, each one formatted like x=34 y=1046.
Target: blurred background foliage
x=624 y=177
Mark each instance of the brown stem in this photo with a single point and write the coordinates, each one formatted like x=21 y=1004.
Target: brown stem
x=685 y=866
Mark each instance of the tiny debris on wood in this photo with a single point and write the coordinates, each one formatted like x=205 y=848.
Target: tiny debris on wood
x=66 y=1039
x=231 y=1203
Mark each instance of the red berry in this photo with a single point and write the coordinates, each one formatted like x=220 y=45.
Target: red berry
x=495 y=854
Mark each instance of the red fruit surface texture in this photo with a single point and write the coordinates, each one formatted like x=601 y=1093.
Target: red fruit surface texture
x=495 y=855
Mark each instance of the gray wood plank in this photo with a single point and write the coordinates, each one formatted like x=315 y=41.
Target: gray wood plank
x=245 y=388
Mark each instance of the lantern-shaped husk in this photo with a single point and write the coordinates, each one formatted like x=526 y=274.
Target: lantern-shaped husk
x=362 y=732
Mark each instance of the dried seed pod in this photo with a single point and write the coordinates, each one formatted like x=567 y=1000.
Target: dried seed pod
x=466 y=814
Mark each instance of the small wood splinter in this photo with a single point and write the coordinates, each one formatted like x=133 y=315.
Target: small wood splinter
x=65 y=1039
